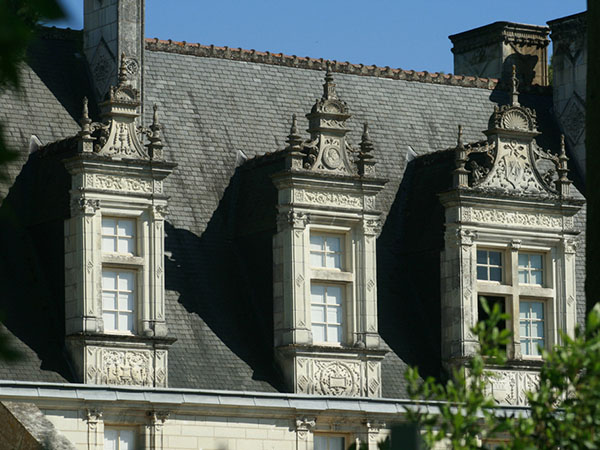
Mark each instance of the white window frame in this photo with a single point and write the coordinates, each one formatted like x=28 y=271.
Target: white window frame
x=329 y=436
x=514 y=292
x=126 y=262
x=119 y=429
x=117 y=291
x=343 y=277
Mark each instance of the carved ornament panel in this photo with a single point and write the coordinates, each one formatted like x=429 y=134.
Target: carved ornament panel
x=345 y=378
x=509 y=387
x=115 y=366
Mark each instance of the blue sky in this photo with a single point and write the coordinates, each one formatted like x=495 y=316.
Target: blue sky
x=396 y=33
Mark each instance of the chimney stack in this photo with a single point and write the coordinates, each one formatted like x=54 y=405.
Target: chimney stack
x=491 y=51
x=110 y=28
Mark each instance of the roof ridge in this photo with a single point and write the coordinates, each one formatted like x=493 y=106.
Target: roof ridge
x=281 y=59
x=53 y=32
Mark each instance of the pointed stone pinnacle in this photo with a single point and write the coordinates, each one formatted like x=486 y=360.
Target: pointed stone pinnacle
x=459 y=139
x=514 y=86
x=294 y=140
x=122 y=70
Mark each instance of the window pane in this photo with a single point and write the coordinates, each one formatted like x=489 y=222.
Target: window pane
x=317 y=243
x=316 y=259
x=109 y=280
x=126 y=245
x=108 y=226
x=523 y=329
x=523 y=278
x=320 y=442
x=524 y=310
x=534 y=349
x=318 y=333
x=336 y=443
x=317 y=313
x=334 y=334
x=334 y=295
x=334 y=244
x=523 y=259
x=125 y=322
x=109 y=244
x=481 y=257
x=537 y=310
x=482 y=273
x=537 y=329
x=333 y=261
x=495 y=274
x=125 y=301
x=110 y=439
x=535 y=261
x=317 y=293
x=125 y=227
x=525 y=348
x=334 y=314
x=109 y=300
x=495 y=258
x=110 y=321
x=536 y=277
x=126 y=440
x=125 y=281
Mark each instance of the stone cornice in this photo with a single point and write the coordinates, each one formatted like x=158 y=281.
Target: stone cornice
x=568 y=28
x=505 y=32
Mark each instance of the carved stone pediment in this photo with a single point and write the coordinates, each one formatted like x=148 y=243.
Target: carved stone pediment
x=510 y=161
x=327 y=150
x=118 y=136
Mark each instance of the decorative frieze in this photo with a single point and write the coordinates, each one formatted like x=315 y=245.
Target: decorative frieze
x=325 y=198
x=514 y=218
x=122 y=183
x=116 y=366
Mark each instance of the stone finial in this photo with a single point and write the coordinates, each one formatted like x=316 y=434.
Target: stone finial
x=155 y=146
x=85 y=134
x=329 y=86
x=122 y=70
x=563 y=183
x=366 y=161
x=461 y=174
x=514 y=86
x=294 y=140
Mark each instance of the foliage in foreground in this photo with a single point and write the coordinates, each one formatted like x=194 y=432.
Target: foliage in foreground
x=565 y=411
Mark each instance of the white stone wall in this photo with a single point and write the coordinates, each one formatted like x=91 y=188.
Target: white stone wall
x=85 y=429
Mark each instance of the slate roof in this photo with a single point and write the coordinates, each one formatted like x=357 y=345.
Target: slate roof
x=216 y=112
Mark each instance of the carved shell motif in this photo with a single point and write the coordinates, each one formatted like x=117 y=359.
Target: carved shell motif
x=515 y=120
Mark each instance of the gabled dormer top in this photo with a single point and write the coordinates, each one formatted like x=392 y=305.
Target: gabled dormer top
x=328 y=151
x=510 y=162
x=117 y=136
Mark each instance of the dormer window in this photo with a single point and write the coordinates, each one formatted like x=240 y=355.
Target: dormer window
x=120 y=269
x=326 y=308
x=489 y=265
x=118 y=235
x=326 y=251
x=118 y=300
x=531 y=268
